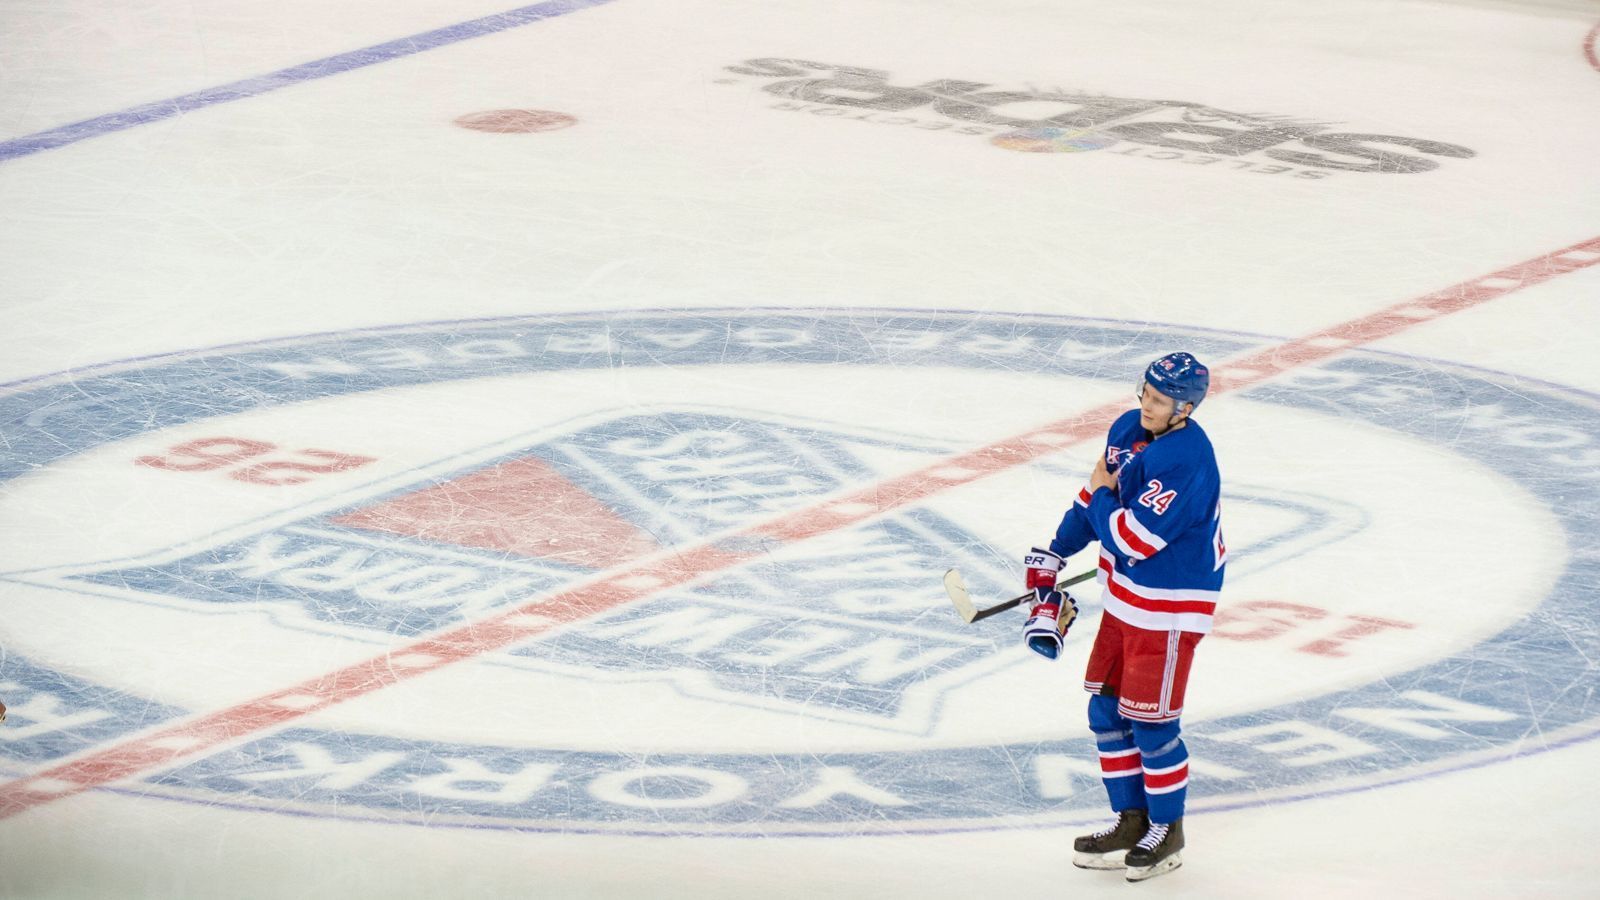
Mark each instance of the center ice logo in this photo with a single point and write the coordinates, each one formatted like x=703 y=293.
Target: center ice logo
x=829 y=632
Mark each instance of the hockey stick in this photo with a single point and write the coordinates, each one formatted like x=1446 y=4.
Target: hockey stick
x=957 y=589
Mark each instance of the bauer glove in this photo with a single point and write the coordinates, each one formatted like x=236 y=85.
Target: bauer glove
x=1048 y=621
x=1042 y=568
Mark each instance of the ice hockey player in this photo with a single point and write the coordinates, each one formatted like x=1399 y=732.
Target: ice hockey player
x=1153 y=504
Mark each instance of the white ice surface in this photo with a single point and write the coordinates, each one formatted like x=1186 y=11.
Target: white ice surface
x=351 y=202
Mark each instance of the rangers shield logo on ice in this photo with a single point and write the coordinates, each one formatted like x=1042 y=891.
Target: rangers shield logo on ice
x=295 y=505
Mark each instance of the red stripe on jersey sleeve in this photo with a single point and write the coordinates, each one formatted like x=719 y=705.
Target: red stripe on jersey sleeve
x=1139 y=544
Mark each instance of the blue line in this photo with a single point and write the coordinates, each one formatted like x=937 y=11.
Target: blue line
x=261 y=84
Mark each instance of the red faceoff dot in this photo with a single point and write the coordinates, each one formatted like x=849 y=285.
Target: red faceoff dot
x=515 y=121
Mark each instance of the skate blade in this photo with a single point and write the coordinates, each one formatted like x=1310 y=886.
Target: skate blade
x=1143 y=873
x=1102 y=861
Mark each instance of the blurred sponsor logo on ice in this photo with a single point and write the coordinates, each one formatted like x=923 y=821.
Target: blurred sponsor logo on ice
x=1035 y=120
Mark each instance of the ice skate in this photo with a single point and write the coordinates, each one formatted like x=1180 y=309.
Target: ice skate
x=1157 y=852
x=1105 y=848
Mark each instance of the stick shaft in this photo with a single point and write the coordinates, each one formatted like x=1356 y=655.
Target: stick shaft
x=1018 y=600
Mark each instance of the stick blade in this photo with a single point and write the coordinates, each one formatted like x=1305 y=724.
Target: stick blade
x=957 y=589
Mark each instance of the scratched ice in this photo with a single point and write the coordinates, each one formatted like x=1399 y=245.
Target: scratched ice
x=596 y=394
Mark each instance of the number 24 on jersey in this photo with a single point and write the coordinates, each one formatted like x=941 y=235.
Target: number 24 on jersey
x=1156 y=498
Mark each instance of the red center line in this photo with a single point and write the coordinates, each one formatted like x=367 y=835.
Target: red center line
x=646 y=576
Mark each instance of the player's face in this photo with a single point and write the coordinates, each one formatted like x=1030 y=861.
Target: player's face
x=1155 y=409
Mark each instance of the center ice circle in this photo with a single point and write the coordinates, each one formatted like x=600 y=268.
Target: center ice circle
x=819 y=682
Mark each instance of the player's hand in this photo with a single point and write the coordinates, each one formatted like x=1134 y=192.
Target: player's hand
x=1100 y=477
x=2 y=712
x=1043 y=566
x=1051 y=616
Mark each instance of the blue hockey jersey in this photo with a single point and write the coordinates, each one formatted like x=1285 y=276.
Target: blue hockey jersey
x=1162 y=554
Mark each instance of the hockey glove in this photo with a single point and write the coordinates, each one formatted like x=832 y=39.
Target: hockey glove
x=1042 y=568
x=1051 y=616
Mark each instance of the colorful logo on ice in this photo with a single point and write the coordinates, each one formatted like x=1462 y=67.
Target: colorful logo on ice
x=821 y=631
